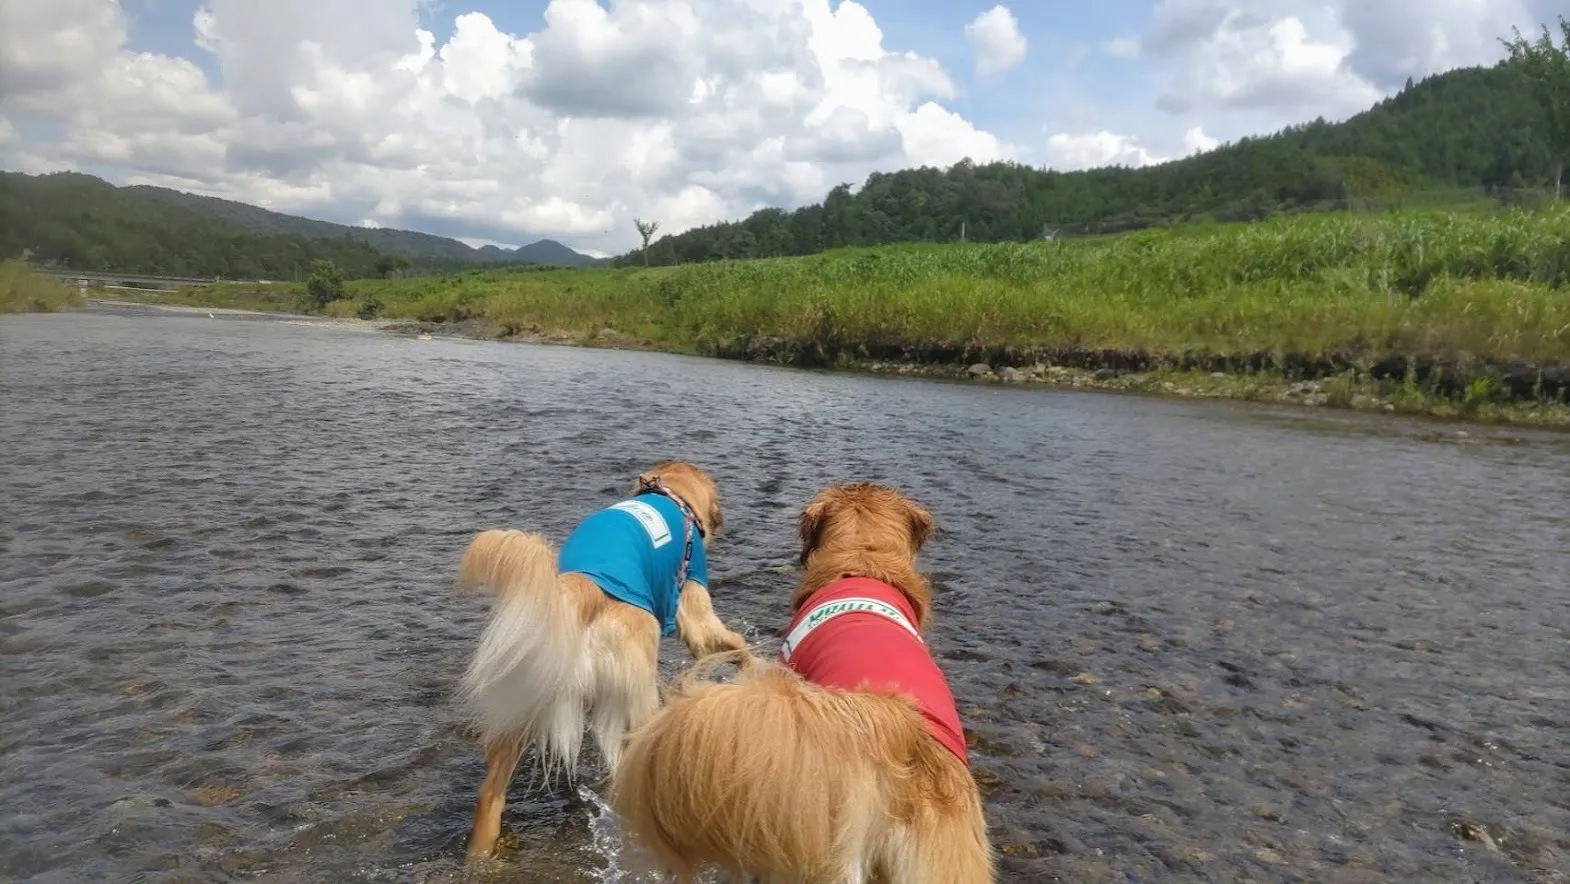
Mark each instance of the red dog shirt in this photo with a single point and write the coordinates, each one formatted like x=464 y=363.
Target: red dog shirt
x=858 y=632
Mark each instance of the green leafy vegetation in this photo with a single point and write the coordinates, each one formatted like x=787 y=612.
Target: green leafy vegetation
x=1472 y=135
x=24 y=290
x=77 y=221
x=1473 y=305
x=1546 y=69
x=325 y=285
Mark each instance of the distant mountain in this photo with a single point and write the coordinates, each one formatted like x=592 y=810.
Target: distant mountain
x=68 y=218
x=546 y=251
x=408 y=243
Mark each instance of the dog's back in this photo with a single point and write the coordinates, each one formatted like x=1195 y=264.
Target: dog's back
x=858 y=634
x=638 y=551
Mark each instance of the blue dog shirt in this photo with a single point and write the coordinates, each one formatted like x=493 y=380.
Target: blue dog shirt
x=633 y=550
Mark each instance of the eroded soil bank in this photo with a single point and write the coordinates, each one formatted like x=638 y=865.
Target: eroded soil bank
x=1517 y=393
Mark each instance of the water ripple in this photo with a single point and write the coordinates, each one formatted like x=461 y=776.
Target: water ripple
x=1191 y=641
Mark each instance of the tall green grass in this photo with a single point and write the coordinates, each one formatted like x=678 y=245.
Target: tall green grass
x=1477 y=284
x=1454 y=285
x=24 y=290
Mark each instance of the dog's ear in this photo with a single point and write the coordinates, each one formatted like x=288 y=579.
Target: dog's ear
x=921 y=523
x=810 y=527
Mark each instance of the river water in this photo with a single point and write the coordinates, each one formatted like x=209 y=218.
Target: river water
x=1191 y=641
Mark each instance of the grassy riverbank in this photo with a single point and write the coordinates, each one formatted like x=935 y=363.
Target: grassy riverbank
x=1463 y=314
x=24 y=290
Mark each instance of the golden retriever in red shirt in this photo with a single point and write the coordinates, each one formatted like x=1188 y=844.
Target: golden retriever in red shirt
x=838 y=764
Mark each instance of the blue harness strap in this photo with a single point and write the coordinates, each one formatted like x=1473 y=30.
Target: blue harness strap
x=688 y=520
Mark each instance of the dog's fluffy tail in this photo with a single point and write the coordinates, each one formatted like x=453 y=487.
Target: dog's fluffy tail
x=526 y=677
x=776 y=773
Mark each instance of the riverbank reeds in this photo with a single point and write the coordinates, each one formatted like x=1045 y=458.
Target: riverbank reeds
x=25 y=290
x=1448 y=301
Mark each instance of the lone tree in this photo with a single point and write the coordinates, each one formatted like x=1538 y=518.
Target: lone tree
x=325 y=284
x=390 y=265
x=1547 y=68
x=646 y=230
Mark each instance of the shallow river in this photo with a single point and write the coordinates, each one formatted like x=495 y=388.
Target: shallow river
x=1192 y=641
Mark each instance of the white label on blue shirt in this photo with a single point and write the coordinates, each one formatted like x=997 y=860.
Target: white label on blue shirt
x=653 y=522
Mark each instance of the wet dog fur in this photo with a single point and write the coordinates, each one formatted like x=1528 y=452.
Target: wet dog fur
x=776 y=778
x=557 y=653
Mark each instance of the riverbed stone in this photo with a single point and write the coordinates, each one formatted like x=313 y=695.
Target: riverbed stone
x=979 y=370
x=1014 y=376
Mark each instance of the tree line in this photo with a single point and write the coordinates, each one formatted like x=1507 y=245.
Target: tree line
x=1482 y=130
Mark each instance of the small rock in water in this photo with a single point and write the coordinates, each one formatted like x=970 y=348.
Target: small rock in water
x=979 y=370
x=1013 y=376
x=987 y=780
x=1086 y=678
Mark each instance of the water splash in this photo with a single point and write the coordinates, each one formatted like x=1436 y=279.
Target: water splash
x=606 y=839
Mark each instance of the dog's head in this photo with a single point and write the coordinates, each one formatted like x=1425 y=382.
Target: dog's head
x=869 y=530
x=693 y=486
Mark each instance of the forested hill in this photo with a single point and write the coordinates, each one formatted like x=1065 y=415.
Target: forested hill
x=415 y=246
x=1466 y=128
x=78 y=220
x=412 y=245
x=73 y=220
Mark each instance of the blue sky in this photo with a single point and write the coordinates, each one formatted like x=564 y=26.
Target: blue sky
x=507 y=125
x=1062 y=78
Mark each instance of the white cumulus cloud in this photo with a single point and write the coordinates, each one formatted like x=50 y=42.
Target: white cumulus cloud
x=686 y=111
x=1196 y=141
x=1093 y=150
x=1069 y=151
x=996 y=41
x=1295 y=59
x=1252 y=62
